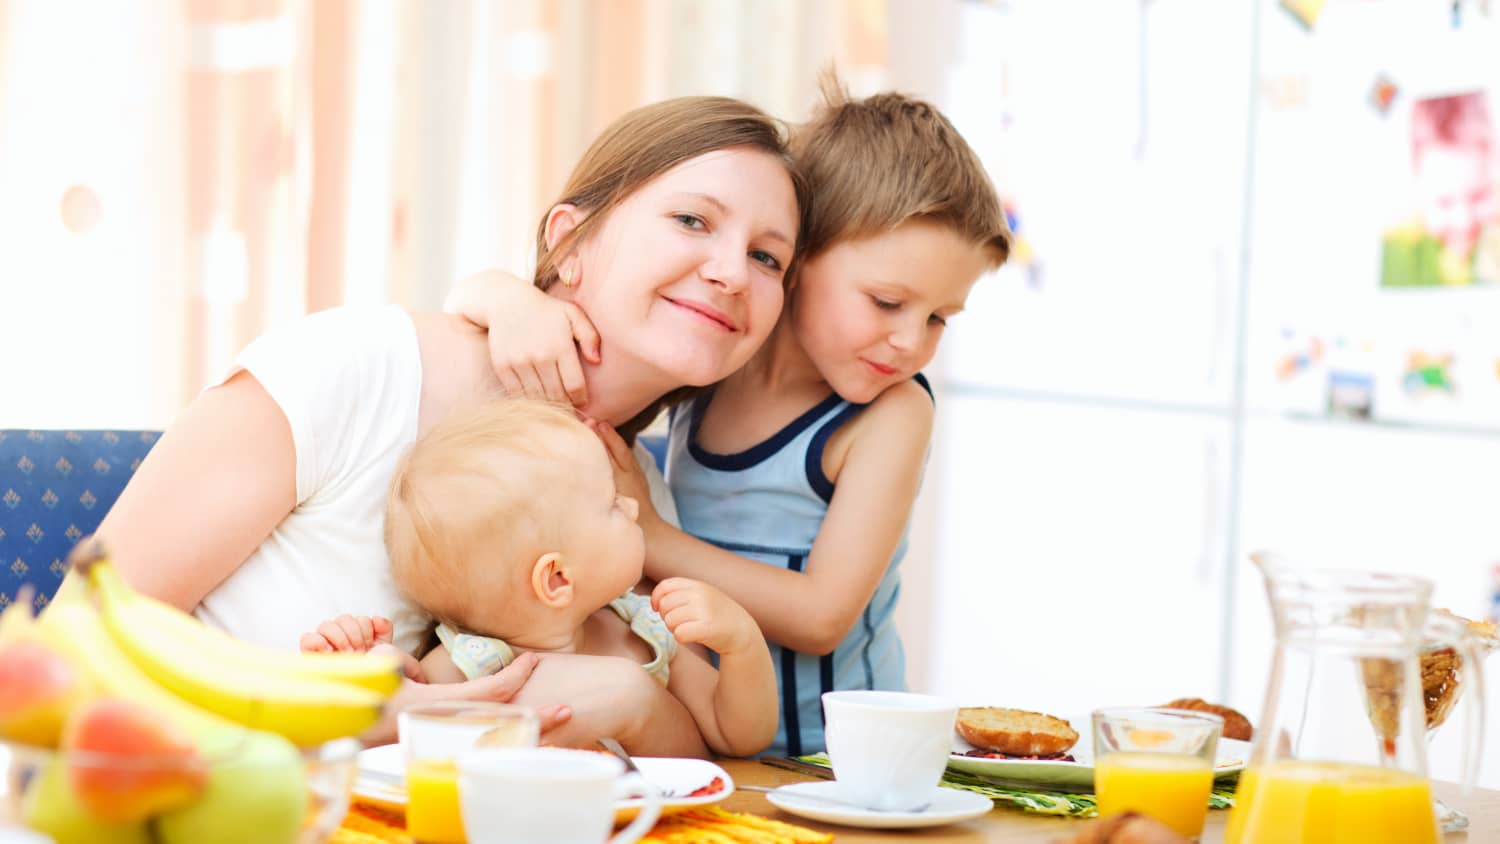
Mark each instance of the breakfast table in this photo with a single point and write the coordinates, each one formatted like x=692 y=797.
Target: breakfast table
x=1012 y=826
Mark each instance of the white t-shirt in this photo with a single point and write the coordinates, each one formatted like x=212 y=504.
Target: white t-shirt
x=349 y=381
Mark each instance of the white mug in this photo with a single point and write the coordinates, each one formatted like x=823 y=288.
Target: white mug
x=888 y=749
x=549 y=795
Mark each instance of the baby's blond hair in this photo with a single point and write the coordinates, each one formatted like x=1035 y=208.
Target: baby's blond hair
x=463 y=515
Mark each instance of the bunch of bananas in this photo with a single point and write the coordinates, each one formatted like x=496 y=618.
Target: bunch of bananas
x=169 y=731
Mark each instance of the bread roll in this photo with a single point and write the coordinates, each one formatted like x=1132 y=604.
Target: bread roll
x=1015 y=732
x=1129 y=828
x=1236 y=726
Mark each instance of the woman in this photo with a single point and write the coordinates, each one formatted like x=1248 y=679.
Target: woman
x=259 y=509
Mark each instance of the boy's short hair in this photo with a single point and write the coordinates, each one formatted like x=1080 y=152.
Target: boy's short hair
x=874 y=163
x=467 y=482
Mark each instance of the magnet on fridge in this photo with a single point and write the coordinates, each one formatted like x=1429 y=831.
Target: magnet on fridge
x=1428 y=373
x=1304 y=11
x=1022 y=254
x=1383 y=94
x=1298 y=360
x=1495 y=598
x=1351 y=395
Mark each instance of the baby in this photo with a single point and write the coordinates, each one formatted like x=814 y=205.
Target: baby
x=504 y=524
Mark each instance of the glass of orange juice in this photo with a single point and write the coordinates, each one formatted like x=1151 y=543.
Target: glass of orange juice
x=433 y=735
x=1158 y=762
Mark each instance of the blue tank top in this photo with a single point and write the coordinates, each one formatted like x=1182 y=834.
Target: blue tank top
x=766 y=504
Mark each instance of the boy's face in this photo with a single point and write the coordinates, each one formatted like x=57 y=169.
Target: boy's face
x=602 y=535
x=870 y=312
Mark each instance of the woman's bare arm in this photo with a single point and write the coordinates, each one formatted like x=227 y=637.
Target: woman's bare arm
x=612 y=697
x=215 y=485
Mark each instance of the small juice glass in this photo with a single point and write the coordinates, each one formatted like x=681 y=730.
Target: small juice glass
x=1159 y=762
x=433 y=736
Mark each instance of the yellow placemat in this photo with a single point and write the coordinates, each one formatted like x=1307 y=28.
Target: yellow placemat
x=712 y=825
x=702 y=825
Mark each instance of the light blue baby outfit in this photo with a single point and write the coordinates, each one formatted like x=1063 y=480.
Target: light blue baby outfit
x=767 y=504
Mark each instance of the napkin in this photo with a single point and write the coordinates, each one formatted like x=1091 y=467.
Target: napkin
x=710 y=823
x=1039 y=802
x=367 y=825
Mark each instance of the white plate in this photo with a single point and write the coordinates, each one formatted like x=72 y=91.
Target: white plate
x=949 y=805
x=382 y=774
x=1077 y=776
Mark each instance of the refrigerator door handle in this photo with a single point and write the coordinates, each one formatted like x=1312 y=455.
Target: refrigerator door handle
x=1208 y=540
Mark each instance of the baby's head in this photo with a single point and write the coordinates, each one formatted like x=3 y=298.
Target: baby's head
x=901 y=221
x=505 y=519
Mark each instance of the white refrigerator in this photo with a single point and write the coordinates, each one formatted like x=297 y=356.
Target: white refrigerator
x=1199 y=348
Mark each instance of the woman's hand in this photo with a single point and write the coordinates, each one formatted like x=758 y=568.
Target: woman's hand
x=630 y=479
x=535 y=340
x=500 y=687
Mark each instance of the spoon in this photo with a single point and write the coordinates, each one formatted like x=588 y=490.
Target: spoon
x=614 y=747
x=837 y=801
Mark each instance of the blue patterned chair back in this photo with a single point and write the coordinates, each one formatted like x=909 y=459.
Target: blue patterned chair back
x=657 y=445
x=55 y=487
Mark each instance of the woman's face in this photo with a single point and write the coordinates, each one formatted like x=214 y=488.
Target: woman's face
x=685 y=275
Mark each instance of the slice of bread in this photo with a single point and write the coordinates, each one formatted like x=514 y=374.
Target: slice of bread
x=1015 y=732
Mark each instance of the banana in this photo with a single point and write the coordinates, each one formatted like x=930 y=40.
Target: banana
x=75 y=628
x=256 y=783
x=195 y=666
x=380 y=674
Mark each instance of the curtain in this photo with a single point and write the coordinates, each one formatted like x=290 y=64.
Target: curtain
x=177 y=177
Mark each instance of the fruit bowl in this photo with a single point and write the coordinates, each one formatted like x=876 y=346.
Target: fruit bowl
x=249 y=793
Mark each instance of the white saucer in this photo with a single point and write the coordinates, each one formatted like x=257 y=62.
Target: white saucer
x=948 y=806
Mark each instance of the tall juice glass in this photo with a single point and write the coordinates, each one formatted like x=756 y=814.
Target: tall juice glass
x=1159 y=762
x=433 y=736
x=1340 y=752
x=1299 y=802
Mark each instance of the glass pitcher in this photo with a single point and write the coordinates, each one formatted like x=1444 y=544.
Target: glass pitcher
x=1340 y=752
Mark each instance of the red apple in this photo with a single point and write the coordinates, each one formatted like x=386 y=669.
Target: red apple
x=39 y=689
x=127 y=762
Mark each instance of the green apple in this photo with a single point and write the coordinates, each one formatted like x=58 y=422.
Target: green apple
x=258 y=795
x=51 y=807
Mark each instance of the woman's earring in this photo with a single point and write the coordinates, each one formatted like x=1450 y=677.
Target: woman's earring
x=566 y=274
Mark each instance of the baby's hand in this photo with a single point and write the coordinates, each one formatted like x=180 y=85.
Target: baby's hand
x=357 y=633
x=630 y=479
x=532 y=336
x=698 y=613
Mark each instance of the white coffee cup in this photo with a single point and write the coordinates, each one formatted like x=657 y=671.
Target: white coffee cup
x=888 y=749
x=548 y=795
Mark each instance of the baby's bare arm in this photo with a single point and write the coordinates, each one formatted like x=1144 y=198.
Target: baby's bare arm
x=735 y=706
x=438 y=667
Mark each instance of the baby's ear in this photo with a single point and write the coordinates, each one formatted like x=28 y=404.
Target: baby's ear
x=551 y=582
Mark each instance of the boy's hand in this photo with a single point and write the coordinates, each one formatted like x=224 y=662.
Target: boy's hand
x=531 y=335
x=356 y=633
x=698 y=613
x=630 y=479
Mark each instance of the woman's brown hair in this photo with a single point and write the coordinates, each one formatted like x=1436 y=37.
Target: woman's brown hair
x=638 y=147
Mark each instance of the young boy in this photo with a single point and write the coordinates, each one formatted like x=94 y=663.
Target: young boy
x=506 y=526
